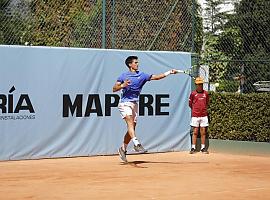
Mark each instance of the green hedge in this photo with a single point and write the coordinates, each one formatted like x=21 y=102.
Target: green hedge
x=244 y=117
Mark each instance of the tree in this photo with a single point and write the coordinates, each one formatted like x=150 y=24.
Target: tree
x=251 y=40
x=12 y=22
x=3 y=6
x=79 y=24
x=243 y=35
x=214 y=16
x=252 y=17
x=214 y=20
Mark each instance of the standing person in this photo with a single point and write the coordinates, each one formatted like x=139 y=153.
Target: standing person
x=198 y=102
x=131 y=83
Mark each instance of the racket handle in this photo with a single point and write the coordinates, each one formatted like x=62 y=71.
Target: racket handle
x=179 y=71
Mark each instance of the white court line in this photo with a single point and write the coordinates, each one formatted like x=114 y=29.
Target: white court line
x=251 y=189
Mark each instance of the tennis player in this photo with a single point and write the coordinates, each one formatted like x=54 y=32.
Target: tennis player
x=131 y=84
x=198 y=102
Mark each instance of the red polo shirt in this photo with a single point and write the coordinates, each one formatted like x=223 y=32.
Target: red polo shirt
x=198 y=103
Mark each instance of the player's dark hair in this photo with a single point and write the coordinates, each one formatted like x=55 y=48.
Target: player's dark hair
x=130 y=59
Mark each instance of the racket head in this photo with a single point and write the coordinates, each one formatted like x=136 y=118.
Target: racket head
x=194 y=71
x=197 y=71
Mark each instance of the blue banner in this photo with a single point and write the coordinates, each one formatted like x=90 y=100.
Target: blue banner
x=58 y=102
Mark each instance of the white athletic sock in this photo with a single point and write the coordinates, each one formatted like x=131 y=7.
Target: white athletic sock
x=202 y=146
x=193 y=146
x=124 y=146
x=135 y=141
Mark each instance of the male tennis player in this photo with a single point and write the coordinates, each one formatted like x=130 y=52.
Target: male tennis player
x=198 y=102
x=131 y=83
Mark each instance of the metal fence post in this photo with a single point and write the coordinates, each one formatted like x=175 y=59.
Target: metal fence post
x=113 y=24
x=193 y=27
x=103 y=24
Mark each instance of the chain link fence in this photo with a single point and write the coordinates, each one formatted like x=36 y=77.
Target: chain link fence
x=237 y=76
x=129 y=24
x=51 y=23
x=152 y=25
x=233 y=44
x=236 y=45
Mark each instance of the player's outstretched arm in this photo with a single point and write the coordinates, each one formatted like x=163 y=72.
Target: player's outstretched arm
x=163 y=75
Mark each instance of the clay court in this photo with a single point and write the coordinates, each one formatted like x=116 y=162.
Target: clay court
x=174 y=175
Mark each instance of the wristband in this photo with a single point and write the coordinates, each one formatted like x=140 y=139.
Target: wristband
x=167 y=73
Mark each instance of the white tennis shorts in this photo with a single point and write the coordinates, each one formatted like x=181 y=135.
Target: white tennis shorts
x=199 y=121
x=129 y=109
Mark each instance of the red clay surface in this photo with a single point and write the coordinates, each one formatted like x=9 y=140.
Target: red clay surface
x=175 y=175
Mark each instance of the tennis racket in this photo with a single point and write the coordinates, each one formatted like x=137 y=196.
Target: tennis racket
x=193 y=71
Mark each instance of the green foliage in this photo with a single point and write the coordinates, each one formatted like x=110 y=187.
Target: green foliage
x=84 y=23
x=217 y=69
x=198 y=40
x=252 y=17
x=243 y=117
x=240 y=44
x=246 y=31
x=140 y=22
x=49 y=23
x=227 y=86
x=230 y=42
x=214 y=17
x=79 y=24
x=11 y=26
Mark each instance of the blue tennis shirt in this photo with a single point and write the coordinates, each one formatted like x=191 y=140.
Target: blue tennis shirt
x=133 y=90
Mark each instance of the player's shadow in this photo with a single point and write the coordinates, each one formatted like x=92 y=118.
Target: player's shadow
x=138 y=163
